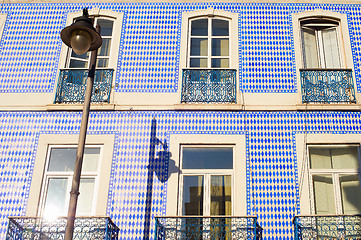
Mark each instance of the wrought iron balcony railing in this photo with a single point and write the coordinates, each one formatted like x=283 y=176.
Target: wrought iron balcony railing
x=327 y=227
x=209 y=86
x=327 y=86
x=72 y=82
x=26 y=228
x=215 y=227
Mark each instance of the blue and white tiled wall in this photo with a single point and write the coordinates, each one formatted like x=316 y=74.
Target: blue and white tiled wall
x=272 y=187
x=148 y=57
x=148 y=62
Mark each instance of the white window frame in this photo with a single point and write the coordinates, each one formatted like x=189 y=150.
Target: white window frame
x=305 y=183
x=115 y=43
x=233 y=42
x=69 y=175
x=239 y=190
x=343 y=40
x=206 y=173
x=335 y=176
x=209 y=43
x=46 y=141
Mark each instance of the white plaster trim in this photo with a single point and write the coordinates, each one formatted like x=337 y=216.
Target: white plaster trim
x=239 y=202
x=57 y=139
x=302 y=140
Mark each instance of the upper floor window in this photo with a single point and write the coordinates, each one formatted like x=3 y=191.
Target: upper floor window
x=324 y=57
x=207 y=60
x=106 y=32
x=74 y=67
x=320 y=41
x=209 y=43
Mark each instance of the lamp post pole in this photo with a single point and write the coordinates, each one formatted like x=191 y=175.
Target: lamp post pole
x=82 y=37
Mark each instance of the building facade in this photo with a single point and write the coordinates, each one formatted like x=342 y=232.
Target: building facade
x=239 y=109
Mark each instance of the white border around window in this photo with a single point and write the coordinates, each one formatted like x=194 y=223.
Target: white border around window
x=233 y=41
x=239 y=191
x=46 y=140
x=115 y=44
x=302 y=142
x=343 y=40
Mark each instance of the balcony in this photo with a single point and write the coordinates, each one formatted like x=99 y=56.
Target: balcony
x=327 y=86
x=39 y=228
x=209 y=86
x=327 y=227
x=72 y=82
x=215 y=227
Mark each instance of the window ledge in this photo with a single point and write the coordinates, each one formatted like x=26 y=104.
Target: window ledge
x=330 y=107
x=208 y=106
x=79 y=107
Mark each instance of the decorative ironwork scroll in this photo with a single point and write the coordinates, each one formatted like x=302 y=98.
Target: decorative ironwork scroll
x=327 y=86
x=215 y=227
x=72 y=83
x=25 y=228
x=328 y=227
x=209 y=86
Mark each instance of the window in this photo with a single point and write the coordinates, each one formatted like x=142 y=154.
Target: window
x=206 y=179
x=106 y=32
x=335 y=174
x=323 y=57
x=320 y=43
x=53 y=172
x=58 y=179
x=74 y=68
x=207 y=61
x=209 y=43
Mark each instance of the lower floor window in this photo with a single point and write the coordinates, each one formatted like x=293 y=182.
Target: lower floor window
x=206 y=180
x=58 y=179
x=335 y=177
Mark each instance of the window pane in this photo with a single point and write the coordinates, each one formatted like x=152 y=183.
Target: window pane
x=84 y=56
x=220 y=27
x=220 y=63
x=106 y=27
x=199 y=27
x=198 y=62
x=56 y=197
x=63 y=159
x=221 y=195
x=330 y=48
x=102 y=62
x=220 y=47
x=310 y=57
x=320 y=158
x=85 y=199
x=207 y=158
x=104 y=50
x=78 y=64
x=323 y=194
x=91 y=159
x=199 y=47
x=351 y=194
x=345 y=158
x=193 y=195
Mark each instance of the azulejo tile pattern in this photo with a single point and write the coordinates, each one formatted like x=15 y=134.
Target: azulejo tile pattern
x=138 y=186
x=148 y=59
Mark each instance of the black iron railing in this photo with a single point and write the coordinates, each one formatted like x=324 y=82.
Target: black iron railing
x=215 y=227
x=209 y=86
x=327 y=227
x=26 y=228
x=327 y=86
x=72 y=82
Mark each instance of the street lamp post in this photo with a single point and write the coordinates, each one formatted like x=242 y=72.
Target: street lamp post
x=81 y=37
